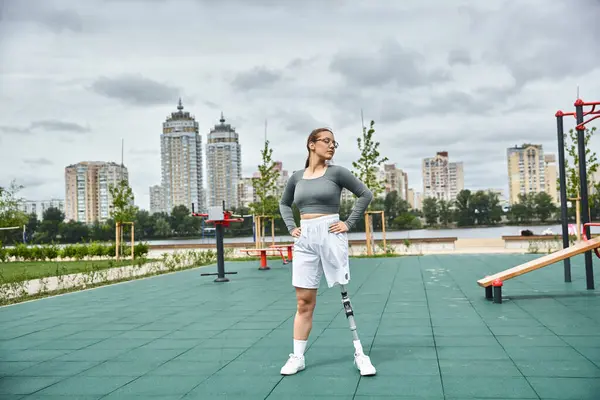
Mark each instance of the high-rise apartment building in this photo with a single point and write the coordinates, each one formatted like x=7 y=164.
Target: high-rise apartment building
x=38 y=207
x=395 y=180
x=87 y=191
x=157 y=199
x=181 y=161
x=442 y=179
x=223 y=165
x=530 y=171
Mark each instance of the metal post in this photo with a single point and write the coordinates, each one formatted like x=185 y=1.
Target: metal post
x=585 y=216
x=220 y=256
x=563 y=192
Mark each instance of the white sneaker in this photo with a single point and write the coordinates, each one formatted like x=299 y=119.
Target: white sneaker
x=363 y=363
x=294 y=364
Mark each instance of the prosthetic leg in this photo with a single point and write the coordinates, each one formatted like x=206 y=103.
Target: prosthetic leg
x=361 y=360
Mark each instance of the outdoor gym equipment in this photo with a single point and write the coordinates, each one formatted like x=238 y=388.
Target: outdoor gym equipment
x=582 y=204
x=493 y=283
x=221 y=219
x=369 y=230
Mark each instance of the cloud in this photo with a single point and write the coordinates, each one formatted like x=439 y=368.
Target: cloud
x=135 y=90
x=391 y=63
x=37 y=161
x=46 y=126
x=256 y=78
x=56 y=20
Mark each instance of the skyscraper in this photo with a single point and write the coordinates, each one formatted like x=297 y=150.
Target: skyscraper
x=223 y=165
x=181 y=161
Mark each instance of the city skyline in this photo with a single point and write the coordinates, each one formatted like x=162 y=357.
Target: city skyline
x=462 y=87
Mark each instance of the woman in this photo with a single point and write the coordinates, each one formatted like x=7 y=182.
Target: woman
x=321 y=242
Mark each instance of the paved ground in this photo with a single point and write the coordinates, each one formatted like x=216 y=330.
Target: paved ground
x=424 y=321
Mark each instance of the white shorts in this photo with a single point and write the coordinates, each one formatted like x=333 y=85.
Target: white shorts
x=318 y=252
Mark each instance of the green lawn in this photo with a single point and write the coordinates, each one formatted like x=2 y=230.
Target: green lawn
x=25 y=270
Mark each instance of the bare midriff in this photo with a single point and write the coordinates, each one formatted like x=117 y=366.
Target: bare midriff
x=312 y=216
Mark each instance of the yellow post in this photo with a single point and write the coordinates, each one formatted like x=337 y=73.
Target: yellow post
x=117 y=236
x=383 y=229
x=132 y=242
x=368 y=233
x=273 y=231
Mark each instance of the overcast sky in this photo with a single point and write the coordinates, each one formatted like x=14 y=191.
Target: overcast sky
x=76 y=77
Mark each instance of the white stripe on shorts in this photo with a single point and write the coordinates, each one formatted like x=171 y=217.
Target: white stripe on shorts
x=318 y=252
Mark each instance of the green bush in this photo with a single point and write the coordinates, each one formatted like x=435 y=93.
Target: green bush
x=22 y=252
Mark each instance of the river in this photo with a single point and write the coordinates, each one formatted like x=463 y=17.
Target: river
x=461 y=233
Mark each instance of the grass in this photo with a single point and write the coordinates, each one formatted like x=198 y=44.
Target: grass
x=20 y=271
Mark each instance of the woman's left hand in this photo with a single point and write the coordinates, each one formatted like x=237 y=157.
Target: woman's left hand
x=338 y=227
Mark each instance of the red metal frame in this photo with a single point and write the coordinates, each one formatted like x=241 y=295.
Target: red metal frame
x=586 y=238
x=596 y=114
x=225 y=222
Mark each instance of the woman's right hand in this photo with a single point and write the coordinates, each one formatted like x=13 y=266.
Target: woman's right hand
x=296 y=232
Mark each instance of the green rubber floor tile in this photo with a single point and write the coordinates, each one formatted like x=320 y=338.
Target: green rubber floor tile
x=310 y=385
x=566 y=388
x=13 y=367
x=186 y=368
x=200 y=354
x=90 y=334
x=466 y=341
x=89 y=354
x=565 y=369
x=547 y=353
x=122 y=368
x=149 y=355
x=407 y=386
x=57 y=368
x=169 y=344
x=118 y=343
x=227 y=385
x=61 y=397
x=86 y=385
x=159 y=386
x=483 y=353
x=25 y=384
x=466 y=367
x=583 y=341
x=399 y=368
x=461 y=331
x=403 y=341
x=531 y=341
x=500 y=387
x=191 y=334
x=37 y=355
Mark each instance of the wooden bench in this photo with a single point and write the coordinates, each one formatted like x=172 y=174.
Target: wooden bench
x=263 y=256
x=495 y=282
x=289 y=247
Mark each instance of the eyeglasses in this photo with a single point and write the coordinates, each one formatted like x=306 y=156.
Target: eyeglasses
x=328 y=142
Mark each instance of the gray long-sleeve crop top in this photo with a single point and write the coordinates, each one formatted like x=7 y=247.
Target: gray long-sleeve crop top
x=322 y=195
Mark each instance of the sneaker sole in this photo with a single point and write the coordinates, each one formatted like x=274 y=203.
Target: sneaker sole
x=292 y=373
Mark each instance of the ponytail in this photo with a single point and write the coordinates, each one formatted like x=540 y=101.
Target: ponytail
x=307 y=161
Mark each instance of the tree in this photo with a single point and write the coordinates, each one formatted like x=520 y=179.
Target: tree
x=445 y=212
x=544 y=206
x=265 y=185
x=10 y=212
x=572 y=164
x=430 y=210
x=464 y=211
x=367 y=166
x=123 y=209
